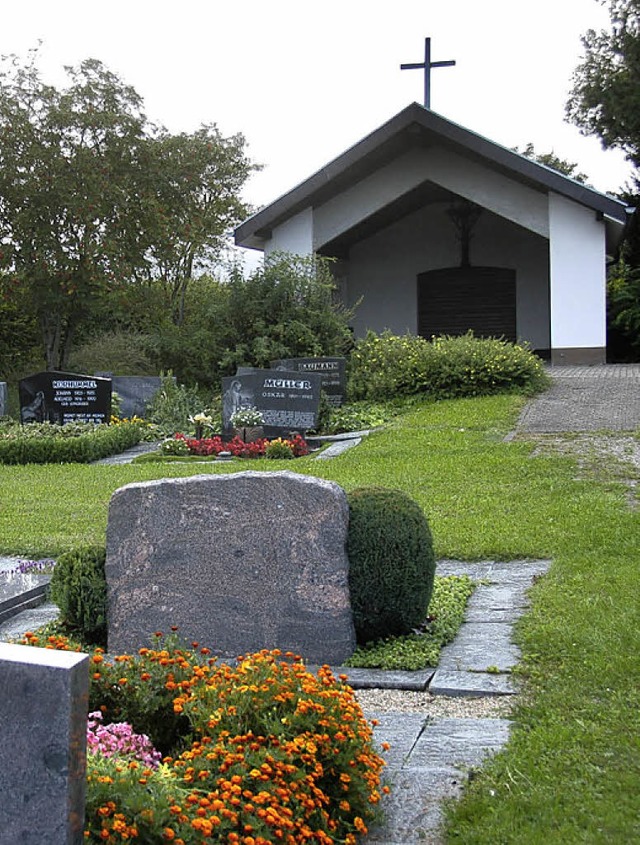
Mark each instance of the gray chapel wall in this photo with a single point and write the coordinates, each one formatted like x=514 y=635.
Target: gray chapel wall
x=383 y=268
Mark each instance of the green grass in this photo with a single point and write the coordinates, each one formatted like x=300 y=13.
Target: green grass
x=571 y=773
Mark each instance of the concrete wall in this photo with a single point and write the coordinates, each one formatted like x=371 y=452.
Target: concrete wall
x=294 y=235
x=578 y=289
x=383 y=269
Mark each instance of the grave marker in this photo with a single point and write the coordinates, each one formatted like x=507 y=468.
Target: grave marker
x=4 y=399
x=332 y=371
x=44 y=697
x=238 y=562
x=61 y=398
x=289 y=401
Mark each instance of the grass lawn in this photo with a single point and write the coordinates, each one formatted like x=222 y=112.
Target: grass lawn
x=571 y=772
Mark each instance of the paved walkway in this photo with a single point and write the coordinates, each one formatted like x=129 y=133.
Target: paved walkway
x=605 y=397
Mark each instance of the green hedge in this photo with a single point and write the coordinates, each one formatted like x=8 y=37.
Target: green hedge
x=386 y=366
x=50 y=444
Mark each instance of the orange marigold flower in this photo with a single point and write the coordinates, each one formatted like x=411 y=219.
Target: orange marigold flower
x=168 y=834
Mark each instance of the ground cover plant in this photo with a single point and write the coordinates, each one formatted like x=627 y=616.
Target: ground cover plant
x=261 y=752
x=571 y=772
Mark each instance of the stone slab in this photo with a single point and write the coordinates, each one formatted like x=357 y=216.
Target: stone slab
x=44 y=697
x=134 y=392
x=385 y=678
x=413 y=813
x=457 y=742
x=19 y=592
x=498 y=602
x=470 y=684
x=28 y=620
x=338 y=448
x=238 y=562
x=479 y=645
x=4 y=399
x=401 y=731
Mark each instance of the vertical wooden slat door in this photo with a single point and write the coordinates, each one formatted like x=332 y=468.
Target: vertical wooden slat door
x=454 y=300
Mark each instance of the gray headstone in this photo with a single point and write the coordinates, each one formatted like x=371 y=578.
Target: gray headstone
x=134 y=392
x=43 y=700
x=4 y=399
x=238 y=562
x=332 y=371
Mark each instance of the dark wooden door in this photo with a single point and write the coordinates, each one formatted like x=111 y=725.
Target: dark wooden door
x=453 y=300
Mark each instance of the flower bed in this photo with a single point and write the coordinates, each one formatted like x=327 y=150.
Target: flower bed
x=294 y=447
x=257 y=753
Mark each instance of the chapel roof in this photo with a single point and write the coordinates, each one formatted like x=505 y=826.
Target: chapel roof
x=415 y=126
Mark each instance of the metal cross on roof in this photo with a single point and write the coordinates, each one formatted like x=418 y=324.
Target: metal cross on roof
x=427 y=65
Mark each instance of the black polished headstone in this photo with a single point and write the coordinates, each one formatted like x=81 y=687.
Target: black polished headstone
x=332 y=371
x=289 y=401
x=56 y=397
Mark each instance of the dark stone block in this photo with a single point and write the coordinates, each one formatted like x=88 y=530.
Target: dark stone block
x=238 y=562
x=43 y=701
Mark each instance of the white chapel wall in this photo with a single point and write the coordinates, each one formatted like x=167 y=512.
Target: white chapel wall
x=294 y=235
x=578 y=272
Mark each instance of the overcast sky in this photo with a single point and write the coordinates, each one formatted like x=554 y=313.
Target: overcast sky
x=303 y=80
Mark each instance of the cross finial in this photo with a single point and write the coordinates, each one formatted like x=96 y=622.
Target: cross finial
x=427 y=65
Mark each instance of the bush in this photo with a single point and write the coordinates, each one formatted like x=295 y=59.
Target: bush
x=121 y=352
x=173 y=407
x=384 y=366
x=45 y=443
x=391 y=563
x=79 y=588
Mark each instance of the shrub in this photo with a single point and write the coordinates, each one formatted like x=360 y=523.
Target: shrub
x=383 y=366
x=122 y=352
x=173 y=406
x=79 y=588
x=391 y=563
x=45 y=443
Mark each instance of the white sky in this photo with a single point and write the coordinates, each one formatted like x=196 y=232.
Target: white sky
x=303 y=80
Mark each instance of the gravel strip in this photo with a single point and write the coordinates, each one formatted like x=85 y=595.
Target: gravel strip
x=401 y=701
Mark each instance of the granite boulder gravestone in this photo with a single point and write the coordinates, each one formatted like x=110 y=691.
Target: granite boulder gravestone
x=238 y=562
x=332 y=372
x=61 y=398
x=289 y=401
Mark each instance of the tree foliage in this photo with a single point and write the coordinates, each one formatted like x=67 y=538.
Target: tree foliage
x=94 y=198
x=605 y=95
x=550 y=159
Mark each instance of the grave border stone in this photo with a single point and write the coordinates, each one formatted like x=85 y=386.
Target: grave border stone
x=44 y=696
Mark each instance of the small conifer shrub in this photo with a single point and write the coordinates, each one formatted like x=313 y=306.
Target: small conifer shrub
x=391 y=562
x=79 y=588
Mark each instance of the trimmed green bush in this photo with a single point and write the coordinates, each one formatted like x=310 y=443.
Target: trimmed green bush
x=386 y=365
x=391 y=563
x=44 y=443
x=79 y=588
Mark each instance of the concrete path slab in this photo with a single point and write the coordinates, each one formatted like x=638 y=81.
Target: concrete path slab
x=430 y=763
x=586 y=399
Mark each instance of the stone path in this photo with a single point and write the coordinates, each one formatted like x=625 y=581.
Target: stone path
x=586 y=399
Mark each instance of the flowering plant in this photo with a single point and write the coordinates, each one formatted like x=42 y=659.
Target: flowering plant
x=280 y=755
x=246 y=417
x=118 y=739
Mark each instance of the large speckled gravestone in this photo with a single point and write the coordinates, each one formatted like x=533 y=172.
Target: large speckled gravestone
x=238 y=562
